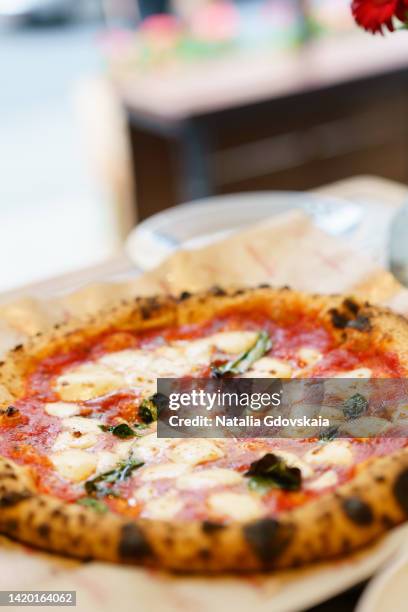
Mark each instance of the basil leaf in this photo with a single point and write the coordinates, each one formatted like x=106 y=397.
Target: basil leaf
x=97 y=486
x=329 y=433
x=122 y=431
x=150 y=408
x=273 y=470
x=95 y=504
x=243 y=362
x=259 y=484
x=355 y=406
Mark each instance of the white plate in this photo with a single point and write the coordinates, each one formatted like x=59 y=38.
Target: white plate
x=196 y=224
x=389 y=590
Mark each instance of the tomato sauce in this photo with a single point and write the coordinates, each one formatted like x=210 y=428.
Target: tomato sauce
x=28 y=433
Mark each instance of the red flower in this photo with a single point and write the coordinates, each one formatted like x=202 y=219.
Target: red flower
x=402 y=10
x=374 y=15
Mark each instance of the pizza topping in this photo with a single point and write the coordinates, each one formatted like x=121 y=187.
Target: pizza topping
x=62 y=409
x=336 y=453
x=233 y=342
x=150 y=408
x=123 y=430
x=355 y=406
x=86 y=382
x=308 y=356
x=76 y=439
x=356 y=373
x=163 y=508
x=107 y=461
x=243 y=362
x=74 y=464
x=103 y=484
x=150 y=447
x=269 y=367
x=95 y=504
x=273 y=472
x=235 y=506
x=195 y=451
x=329 y=433
x=82 y=425
x=209 y=478
x=366 y=427
x=163 y=470
x=327 y=479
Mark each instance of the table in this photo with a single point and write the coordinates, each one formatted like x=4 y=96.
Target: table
x=292 y=120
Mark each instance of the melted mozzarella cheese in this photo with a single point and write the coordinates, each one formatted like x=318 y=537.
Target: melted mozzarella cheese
x=144 y=493
x=366 y=427
x=269 y=367
x=195 y=451
x=235 y=506
x=86 y=382
x=162 y=471
x=82 y=424
x=106 y=461
x=309 y=356
x=62 y=409
x=163 y=508
x=74 y=465
x=233 y=342
x=293 y=460
x=150 y=447
x=356 y=373
x=328 y=479
x=206 y=479
x=66 y=440
x=337 y=452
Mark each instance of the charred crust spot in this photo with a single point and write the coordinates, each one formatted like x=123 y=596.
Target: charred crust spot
x=10 y=411
x=82 y=519
x=133 y=545
x=265 y=286
x=358 y=511
x=209 y=527
x=205 y=553
x=343 y=320
x=185 y=295
x=387 y=521
x=351 y=305
x=18 y=347
x=43 y=531
x=380 y=478
x=216 y=290
x=12 y=498
x=400 y=490
x=11 y=526
x=345 y=545
x=149 y=307
x=361 y=323
x=338 y=320
x=239 y=292
x=268 y=538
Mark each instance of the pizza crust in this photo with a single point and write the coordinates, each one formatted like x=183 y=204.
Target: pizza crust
x=335 y=524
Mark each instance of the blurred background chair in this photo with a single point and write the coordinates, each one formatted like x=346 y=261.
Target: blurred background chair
x=107 y=147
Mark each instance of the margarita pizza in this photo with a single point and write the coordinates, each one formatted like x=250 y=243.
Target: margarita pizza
x=83 y=472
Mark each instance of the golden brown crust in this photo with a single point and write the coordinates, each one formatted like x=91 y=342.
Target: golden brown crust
x=337 y=523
